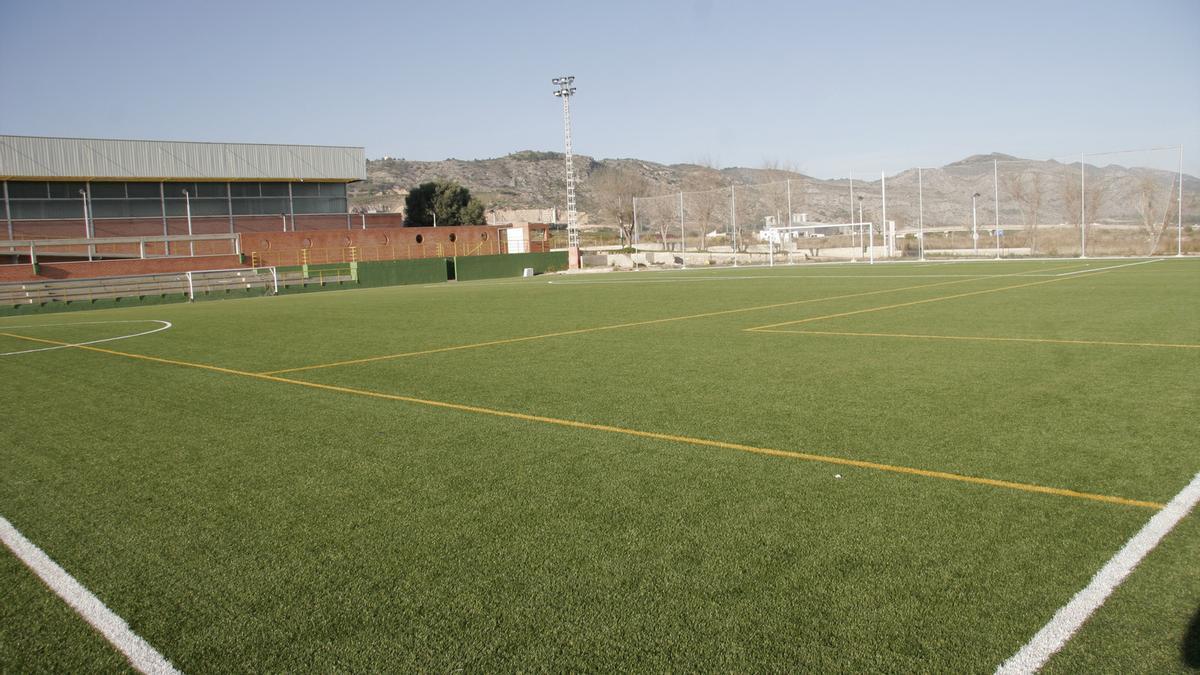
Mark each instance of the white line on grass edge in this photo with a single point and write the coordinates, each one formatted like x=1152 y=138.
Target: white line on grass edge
x=1100 y=269
x=141 y=655
x=3 y=327
x=1071 y=616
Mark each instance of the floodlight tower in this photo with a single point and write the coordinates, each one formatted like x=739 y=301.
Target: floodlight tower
x=565 y=91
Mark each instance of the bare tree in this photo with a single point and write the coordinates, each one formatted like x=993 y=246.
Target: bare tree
x=662 y=215
x=612 y=190
x=706 y=199
x=1028 y=191
x=1093 y=198
x=1148 y=202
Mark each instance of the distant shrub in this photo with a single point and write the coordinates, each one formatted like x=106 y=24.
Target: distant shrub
x=534 y=156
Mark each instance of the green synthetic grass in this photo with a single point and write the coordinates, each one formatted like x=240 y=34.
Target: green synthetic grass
x=242 y=524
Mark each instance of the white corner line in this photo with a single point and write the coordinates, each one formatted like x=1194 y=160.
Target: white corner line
x=1071 y=616
x=141 y=655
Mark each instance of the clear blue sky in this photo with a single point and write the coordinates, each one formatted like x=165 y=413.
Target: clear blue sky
x=823 y=86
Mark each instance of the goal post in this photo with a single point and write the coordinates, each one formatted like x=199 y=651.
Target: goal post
x=224 y=280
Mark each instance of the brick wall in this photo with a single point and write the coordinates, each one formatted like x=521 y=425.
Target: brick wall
x=393 y=243
x=115 y=268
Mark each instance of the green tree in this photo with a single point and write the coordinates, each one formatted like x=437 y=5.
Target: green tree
x=451 y=202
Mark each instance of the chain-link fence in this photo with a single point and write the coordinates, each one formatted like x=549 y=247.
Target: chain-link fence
x=1124 y=203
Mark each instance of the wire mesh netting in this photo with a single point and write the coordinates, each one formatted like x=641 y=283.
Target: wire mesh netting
x=1123 y=203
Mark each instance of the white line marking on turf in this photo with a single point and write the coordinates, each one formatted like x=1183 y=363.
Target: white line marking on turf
x=1071 y=617
x=141 y=655
x=165 y=325
x=1097 y=269
x=775 y=276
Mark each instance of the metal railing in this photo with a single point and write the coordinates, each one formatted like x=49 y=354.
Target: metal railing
x=125 y=247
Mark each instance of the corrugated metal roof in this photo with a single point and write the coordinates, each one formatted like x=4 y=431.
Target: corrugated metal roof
x=35 y=157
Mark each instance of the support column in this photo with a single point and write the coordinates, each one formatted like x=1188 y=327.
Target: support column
x=8 y=211
x=291 y=207
x=162 y=201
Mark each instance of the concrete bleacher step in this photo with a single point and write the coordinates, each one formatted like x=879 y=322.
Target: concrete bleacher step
x=203 y=283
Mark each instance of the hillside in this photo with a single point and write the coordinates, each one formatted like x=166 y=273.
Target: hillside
x=1047 y=191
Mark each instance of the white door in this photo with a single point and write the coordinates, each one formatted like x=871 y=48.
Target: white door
x=517 y=242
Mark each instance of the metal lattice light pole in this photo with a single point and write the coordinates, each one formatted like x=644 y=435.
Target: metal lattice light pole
x=565 y=91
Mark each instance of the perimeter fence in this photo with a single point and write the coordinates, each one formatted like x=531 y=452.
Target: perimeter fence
x=1121 y=203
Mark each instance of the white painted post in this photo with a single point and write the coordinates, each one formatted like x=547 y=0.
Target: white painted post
x=682 y=236
x=871 y=245
x=733 y=220
x=187 y=200
x=634 y=238
x=996 y=202
x=1082 y=205
x=887 y=241
x=789 y=202
x=996 y=190
x=974 y=225
x=852 y=203
x=920 y=214
x=87 y=230
x=1179 y=209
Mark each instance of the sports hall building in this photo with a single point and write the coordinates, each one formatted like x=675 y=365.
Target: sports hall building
x=80 y=187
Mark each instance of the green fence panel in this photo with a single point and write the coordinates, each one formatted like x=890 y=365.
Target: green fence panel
x=397 y=272
x=370 y=274
x=510 y=265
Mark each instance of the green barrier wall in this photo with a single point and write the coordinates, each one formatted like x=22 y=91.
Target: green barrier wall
x=396 y=272
x=370 y=274
x=511 y=265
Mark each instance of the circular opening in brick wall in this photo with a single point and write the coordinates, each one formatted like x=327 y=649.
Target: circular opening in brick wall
x=348 y=241
x=307 y=242
x=265 y=244
x=483 y=236
x=453 y=238
x=420 y=239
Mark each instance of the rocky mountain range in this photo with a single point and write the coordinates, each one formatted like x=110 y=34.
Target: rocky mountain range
x=1028 y=190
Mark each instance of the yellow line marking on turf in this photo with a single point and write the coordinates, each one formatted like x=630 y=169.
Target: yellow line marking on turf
x=1108 y=343
x=578 y=331
x=704 y=442
x=923 y=301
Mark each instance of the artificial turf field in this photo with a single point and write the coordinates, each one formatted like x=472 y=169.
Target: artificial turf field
x=689 y=470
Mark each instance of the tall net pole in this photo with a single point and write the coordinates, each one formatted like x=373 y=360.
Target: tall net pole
x=565 y=91
x=1178 y=210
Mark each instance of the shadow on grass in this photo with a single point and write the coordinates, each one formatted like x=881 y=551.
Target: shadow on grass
x=1191 y=642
